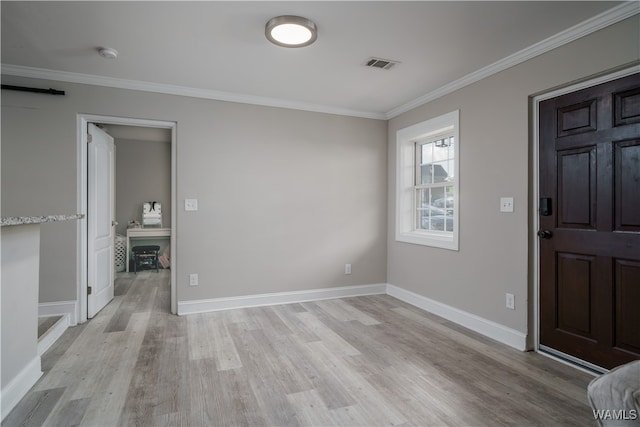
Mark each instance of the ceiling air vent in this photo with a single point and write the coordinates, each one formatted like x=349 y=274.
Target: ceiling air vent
x=385 y=64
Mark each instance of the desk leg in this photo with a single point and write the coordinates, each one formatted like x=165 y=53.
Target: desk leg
x=126 y=258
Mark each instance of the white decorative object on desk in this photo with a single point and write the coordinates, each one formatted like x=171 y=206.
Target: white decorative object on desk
x=151 y=214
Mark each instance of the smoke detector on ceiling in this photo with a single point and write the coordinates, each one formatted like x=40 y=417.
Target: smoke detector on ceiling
x=108 y=52
x=385 y=64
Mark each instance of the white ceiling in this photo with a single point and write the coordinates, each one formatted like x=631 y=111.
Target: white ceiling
x=219 y=48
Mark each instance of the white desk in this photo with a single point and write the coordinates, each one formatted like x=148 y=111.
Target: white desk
x=145 y=233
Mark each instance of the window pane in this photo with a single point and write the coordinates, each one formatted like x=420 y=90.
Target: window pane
x=427 y=155
x=426 y=158
x=439 y=171
x=436 y=161
x=434 y=209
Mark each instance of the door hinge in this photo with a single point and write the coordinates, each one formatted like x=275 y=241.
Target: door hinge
x=88 y=290
x=89 y=138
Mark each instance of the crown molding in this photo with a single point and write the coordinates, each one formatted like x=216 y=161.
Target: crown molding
x=94 y=80
x=605 y=19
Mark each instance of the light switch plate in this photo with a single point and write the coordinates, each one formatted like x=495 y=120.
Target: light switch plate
x=506 y=204
x=510 y=301
x=190 y=204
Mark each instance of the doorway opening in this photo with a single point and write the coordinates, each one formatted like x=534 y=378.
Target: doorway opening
x=121 y=126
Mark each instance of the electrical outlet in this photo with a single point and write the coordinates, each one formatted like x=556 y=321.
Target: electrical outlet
x=511 y=301
x=347 y=269
x=193 y=279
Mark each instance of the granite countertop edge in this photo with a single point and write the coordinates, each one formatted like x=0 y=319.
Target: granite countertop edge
x=23 y=220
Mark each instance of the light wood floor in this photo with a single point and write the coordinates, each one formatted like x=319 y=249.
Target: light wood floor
x=354 y=361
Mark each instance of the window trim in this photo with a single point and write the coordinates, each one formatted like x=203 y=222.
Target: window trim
x=405 y=182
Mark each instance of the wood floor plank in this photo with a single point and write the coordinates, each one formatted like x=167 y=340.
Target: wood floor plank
x=70 y=414
x=267 y=318
x=328 y=337
x=225 y=355
x=110 y=389
x=139 y=298
x=51 y=357
x=363 y=361
x=377 y=408
x=345 y=312
x=243 y=318
x=171 y=420
x=172 y=354
x=268 y=381
x=218 y=346
x=288 y=315
x=172 y=392
x=307 y=375
x=310 y=409
x=34 y=409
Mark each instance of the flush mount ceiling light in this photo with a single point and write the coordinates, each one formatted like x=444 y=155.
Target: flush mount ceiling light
x=107 y=52
x=291 y=31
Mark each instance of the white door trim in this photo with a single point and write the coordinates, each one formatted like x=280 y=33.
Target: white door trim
x=81 y=272
x=536 y=189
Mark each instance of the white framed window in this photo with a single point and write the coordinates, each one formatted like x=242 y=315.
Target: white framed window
x=427 y=182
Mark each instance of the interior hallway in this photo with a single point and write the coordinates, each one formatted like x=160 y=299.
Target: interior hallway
x=356 y=361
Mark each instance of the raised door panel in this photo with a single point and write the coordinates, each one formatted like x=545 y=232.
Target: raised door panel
x=627 y=289
x=627 y=107
x=577 y=188
x=627 y=186
x=574 y=294
x=577 y=118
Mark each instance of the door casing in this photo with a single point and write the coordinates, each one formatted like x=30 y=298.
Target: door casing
x=535 y=194
x=81 y=272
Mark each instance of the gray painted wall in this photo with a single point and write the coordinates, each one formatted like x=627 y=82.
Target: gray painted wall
x=143 y=173
x=286 y=197
x=495 y=161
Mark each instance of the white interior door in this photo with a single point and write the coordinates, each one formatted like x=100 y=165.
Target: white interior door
x=100 y=219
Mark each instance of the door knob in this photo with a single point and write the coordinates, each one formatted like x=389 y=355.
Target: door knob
x=545 y=234
x=114 y=223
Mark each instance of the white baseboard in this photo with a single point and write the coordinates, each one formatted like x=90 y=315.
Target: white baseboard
x=52 y=335
x=216 y=304
x=488 y=328
x=20 y=385
x=59 y=308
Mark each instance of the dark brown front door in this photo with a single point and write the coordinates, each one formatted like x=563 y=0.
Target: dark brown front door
x=590 y=233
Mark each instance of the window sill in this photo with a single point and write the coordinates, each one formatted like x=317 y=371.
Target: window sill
x=435 y=240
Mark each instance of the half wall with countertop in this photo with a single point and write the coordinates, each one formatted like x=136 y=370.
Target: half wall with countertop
x=20 y=366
